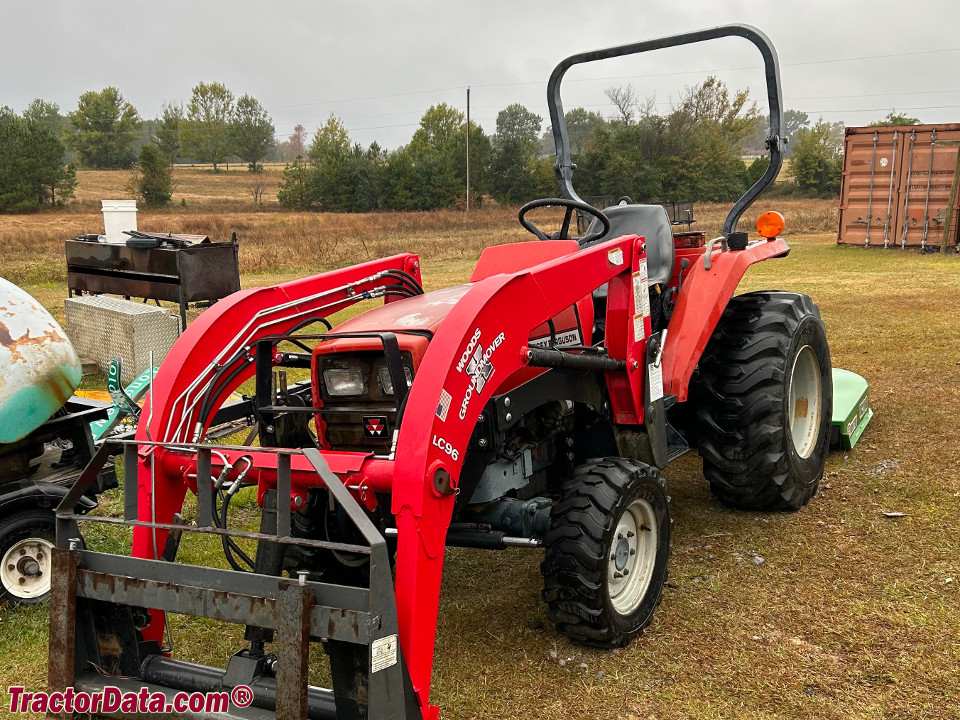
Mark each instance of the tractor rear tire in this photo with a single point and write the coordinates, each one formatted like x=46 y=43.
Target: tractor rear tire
x=606 y=552
x=764 y=396
x=27 y=540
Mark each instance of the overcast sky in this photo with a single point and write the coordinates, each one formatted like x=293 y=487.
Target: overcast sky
x=379 y=65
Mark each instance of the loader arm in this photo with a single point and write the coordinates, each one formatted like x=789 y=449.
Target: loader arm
x=497 y=315
x=211 y=359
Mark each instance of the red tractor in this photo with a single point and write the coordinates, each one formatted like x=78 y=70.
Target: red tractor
x=529 y=407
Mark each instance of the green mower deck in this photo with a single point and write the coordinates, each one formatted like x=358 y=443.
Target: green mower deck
x=851 y=409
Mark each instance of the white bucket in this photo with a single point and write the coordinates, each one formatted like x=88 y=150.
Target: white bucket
x=118 y=215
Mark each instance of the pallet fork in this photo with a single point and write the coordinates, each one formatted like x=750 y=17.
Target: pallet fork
x=102 y=599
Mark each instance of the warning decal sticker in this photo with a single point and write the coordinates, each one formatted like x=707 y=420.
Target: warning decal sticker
x=655 y=373
x=641 y=300
x=383 y=653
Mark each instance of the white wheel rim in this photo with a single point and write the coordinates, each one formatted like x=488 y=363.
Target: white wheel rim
x=806 y=401
x=633 y=555
x=25 y=569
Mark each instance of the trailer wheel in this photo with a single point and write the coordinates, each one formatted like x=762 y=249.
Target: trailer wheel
x=606 y=552
x=765 y=396
x=26 y=546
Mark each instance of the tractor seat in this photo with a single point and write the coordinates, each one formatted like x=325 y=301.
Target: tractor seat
x=650 y=222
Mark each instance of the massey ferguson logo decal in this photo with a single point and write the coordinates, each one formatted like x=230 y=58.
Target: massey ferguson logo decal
x=375 y=426
x=559 y=340
x=476 y=361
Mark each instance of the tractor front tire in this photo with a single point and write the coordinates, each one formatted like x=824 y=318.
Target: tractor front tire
x=606 y=552
x=27 y=540
x=764 y=400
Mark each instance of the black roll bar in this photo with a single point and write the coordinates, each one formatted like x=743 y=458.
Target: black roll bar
x=564 y=166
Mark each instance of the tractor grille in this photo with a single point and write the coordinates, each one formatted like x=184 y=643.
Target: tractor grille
x=359 y=423
x=354 y=431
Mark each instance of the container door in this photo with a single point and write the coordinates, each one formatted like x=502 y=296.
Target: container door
x=924 y=208
x=869 y=203
x=945 y=168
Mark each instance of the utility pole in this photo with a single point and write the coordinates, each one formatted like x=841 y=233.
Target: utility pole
x=468 y=149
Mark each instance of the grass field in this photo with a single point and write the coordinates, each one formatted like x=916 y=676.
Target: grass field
x=193 y=186
x=850 y=615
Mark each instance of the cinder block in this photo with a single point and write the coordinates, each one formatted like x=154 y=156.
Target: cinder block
x=103 y=327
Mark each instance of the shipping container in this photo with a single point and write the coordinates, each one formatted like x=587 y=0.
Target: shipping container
x=898 y=184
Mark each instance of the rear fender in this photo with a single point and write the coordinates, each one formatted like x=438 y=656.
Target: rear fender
x=705 y=295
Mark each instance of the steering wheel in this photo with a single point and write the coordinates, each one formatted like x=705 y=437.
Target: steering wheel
x=564 y=232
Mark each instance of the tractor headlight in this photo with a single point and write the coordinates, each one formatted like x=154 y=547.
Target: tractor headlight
x=344 y=381
x=386 y=382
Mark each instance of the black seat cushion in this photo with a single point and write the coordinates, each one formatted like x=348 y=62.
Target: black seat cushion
x=650 y=222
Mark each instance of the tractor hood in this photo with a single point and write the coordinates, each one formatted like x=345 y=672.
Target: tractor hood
x=421 y=313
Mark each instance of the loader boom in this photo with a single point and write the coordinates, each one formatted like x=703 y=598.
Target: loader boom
x=498 y=313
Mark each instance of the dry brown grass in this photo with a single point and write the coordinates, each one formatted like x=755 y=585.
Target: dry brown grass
x=850 y=616
x=194 y=184
x=308 y=242
x=269 y=242
x=803 y=217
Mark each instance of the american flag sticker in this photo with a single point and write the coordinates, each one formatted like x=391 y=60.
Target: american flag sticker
x=444 y=405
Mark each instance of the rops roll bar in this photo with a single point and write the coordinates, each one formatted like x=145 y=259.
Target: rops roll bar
x=564 y=167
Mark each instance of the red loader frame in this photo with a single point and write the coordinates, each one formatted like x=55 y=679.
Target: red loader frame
x=504 y=309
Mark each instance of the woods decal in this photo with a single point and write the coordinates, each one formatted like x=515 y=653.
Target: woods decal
x=470 y=347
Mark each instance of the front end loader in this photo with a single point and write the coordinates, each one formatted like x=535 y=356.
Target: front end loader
x=533 y=406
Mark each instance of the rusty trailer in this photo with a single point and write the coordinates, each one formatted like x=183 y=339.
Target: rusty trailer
x=900 y=187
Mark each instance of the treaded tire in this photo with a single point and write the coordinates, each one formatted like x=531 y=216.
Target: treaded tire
x=582 y=542
x=14 y=529
x=744 y=413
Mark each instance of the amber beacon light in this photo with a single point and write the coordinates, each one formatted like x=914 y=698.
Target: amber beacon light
x=770 y=224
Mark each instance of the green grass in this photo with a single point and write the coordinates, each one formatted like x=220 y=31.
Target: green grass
x=851 y=615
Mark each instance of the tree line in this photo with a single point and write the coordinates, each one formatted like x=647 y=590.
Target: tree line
x=41 y=149
x=429 y=172
x=32 y=168
x=694 y=151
